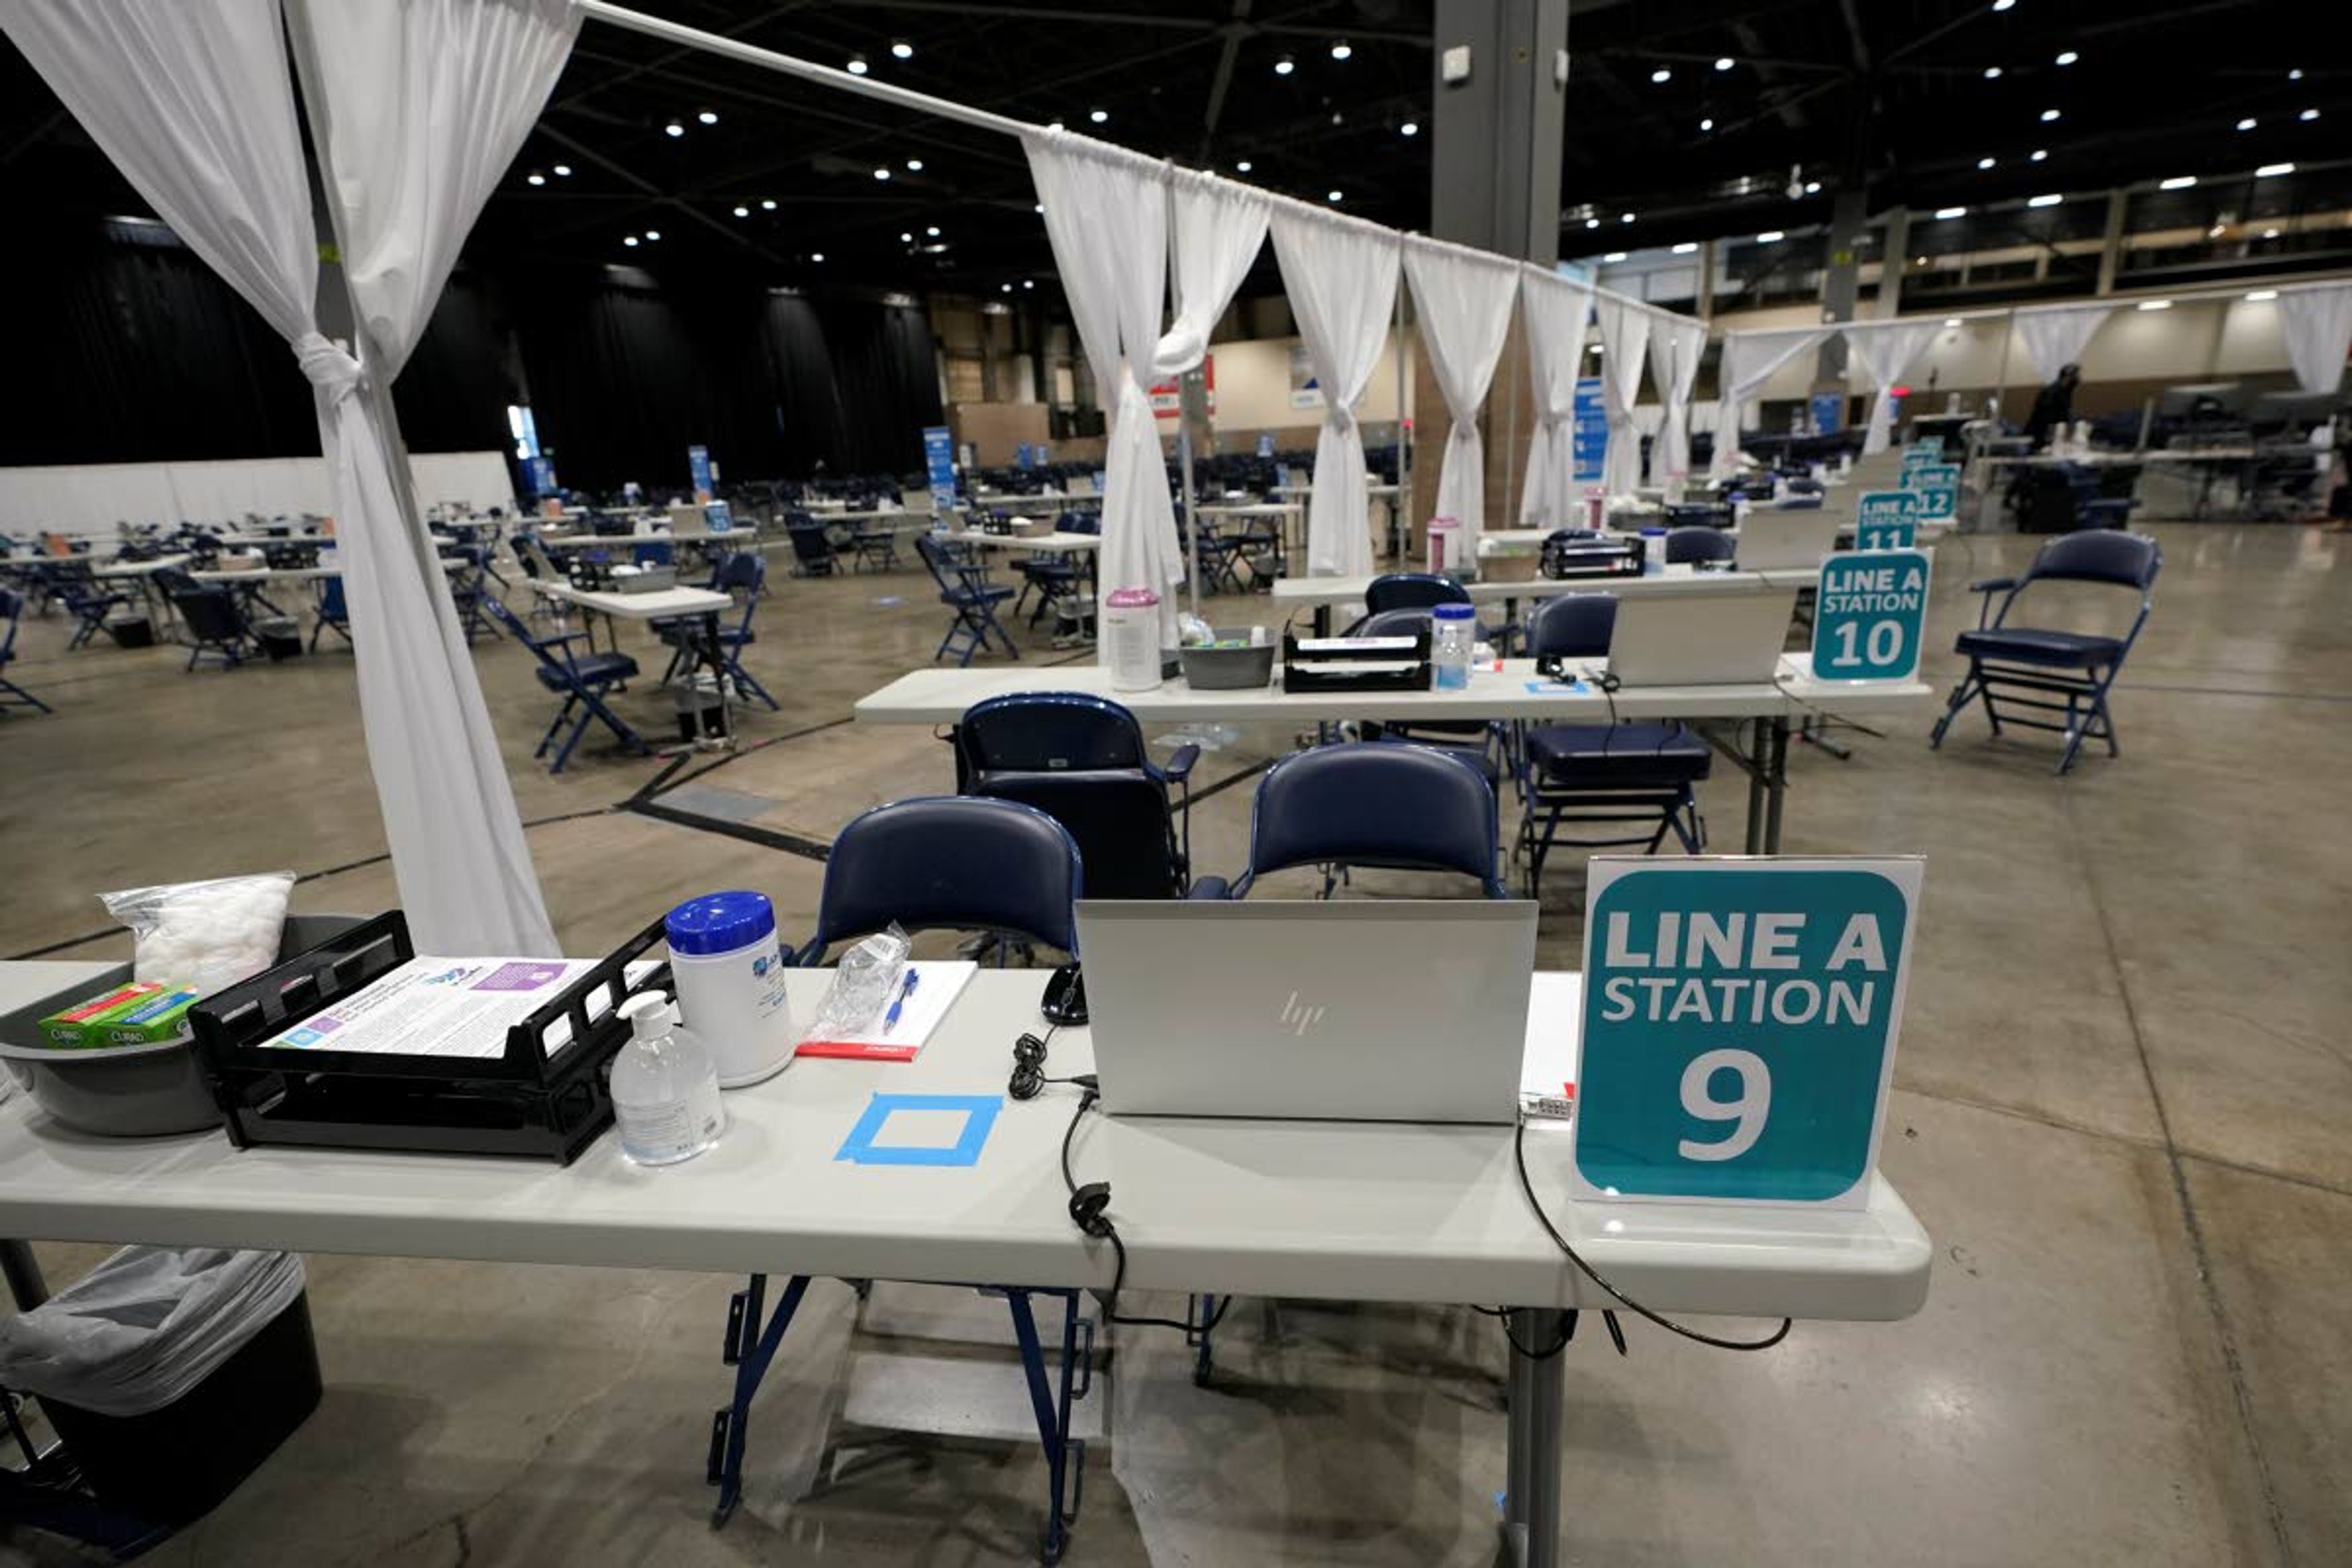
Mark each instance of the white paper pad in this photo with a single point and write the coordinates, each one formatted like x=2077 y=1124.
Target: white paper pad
x=433 y=1006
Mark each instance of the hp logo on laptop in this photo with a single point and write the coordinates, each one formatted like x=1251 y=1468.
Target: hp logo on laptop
x=1300 y=1019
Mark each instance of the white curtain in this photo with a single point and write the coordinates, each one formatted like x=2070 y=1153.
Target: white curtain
x=1886 y=352
x=1106 y=215
x=2316 y=323
x=1219 y=226
x=1341 y=277
x=1680 y=345
x=1748 y=361
x=1624 y=344
x=193 y=104
x=1464 y=302
x=1552 y=312
x=2056 y=337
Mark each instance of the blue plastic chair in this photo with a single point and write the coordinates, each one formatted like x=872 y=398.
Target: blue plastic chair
x=965 y=588
x=1698 y=542
x=215 y=625
x=1412 y=591
x=2079 y=668
x=84 y=598
x=1081 y=760
x=473 y=598
x=11 y=606
x=1646 y=772
x=951 y=863
x=581 y=680
x=334 y=613
x=1371 y=803
x=746 y=570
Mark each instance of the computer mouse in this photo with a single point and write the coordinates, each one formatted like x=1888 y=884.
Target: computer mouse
x=1066 y=996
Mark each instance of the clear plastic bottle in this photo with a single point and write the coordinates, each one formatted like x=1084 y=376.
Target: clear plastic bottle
x=1452 y=633
x=665 y=1086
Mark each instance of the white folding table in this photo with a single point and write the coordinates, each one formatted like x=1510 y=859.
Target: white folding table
x=1514 y=691
x=704 y=605
x=1340 y=1211
x=1028 y=541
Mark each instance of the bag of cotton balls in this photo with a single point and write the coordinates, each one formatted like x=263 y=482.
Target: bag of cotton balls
x=202 y=936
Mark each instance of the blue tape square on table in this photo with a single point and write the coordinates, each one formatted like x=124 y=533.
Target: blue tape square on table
x=979 y=1119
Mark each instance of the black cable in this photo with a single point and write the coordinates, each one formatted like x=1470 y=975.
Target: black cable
x=1520 y=1158
x=1089 y=1211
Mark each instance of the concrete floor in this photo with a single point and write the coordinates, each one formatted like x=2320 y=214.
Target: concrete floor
x=2124 y=1109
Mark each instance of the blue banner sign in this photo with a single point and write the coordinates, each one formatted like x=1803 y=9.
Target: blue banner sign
x=939 y=459
x=698 y=464
x=1590 y=430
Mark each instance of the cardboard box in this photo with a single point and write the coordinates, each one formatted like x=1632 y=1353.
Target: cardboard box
x=163 y=1016
x=84 y=1023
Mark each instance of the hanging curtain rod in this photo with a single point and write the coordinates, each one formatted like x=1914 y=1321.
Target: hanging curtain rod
x=1004 y=125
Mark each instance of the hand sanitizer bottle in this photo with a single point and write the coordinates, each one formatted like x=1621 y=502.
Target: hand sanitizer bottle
x=665 y=1086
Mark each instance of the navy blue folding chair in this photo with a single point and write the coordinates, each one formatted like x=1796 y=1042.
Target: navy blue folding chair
x=473 y=598
x=1412 y=591
x=1372 y=804
x=85 y=599
x=813 y=553
x=1476 y=741
x=1645 y=772
x=874 y=541
x=11 y=606
x=1081 y=760
x=215 y=627
x=582 y=680
x=747 y=572
x=334 y=615
x=1697 y=544
x=965 y=589
x=2060 y=671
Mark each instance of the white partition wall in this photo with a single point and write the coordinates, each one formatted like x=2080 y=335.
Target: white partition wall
x=94 y=497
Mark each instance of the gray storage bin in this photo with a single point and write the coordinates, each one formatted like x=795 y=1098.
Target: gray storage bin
x=1229 y=669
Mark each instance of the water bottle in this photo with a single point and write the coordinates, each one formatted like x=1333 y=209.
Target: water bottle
x=665 y=1086
x=1452 y=632
x=1654 y=552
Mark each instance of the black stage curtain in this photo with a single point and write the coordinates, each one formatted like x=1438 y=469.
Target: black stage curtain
x=453 y=392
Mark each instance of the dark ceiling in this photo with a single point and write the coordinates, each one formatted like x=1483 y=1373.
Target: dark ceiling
x=1891 y=93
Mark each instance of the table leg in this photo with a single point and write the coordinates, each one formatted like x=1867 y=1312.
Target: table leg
x=1759 y=767
x=1776 y=786
x=23 y=1271
x=1531 y=1506
x=716 y=659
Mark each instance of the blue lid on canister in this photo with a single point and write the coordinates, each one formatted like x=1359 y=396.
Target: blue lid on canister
x=720 y=923
x=1452 y=612
x=1653 y=530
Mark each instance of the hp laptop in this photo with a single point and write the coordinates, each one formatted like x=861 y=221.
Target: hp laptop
x=1396 y=1010
x=1701 y=637
x=1798 y=537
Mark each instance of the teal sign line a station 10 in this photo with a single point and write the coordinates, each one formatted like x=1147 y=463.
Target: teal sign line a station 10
x=1739 y=1025
x=1870 y=611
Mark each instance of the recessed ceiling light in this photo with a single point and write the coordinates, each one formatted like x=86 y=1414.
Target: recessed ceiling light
x=1332 y=197
x=1951 y=320
x=708 y=116
x=1056 y=125
x=2177 y=183
x=902 y=50
x=1342 y=50
x=1685 y=248
x=1006 y=287
x=1284 y=66
x=1984 y=162
x=1992 y=73
x=932 y=230
x=2048 y=201
x=1614 y=255
x=2038 y=154
x=817 y=256
x=1624 y=218
x=1951 y=211
x=2269 y=170
x=2259 y=295
x=563 y=171
x=534 y=178
x=1410 y=128
x=1099 y=116
x=2247 y=124
x=1661 y=76
x=1593 y=349
x=914 y=166
x=881 y=173
x=1707 y=124
x=1038 y=208
x=629 y=239
x=1724 y=62
x=857 y=66
x=1243 y=166
x=1028 y=282
x=2002 y=5
x=2068 y=57
x=906 y=236
x=653 y=233
x=1812 y=187
x=742 y=212
x=2308 y=114
x=1592 y=223
x=1770 y=237
x=769 y=205
x=2049 y=115
x=2269 y=234
x=674 y=129
x=2295 y=74
x=2156 y=304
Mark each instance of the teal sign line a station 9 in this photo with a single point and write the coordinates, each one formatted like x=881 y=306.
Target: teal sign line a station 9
x=1739 y=1026
x=1870 y=611
x=1887 y=519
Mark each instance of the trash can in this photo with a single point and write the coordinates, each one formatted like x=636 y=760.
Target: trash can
x=280 y=637
x=170 y=1373
x=701 y=707
x=132 y=631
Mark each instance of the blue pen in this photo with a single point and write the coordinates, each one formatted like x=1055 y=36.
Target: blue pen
x=906 y=989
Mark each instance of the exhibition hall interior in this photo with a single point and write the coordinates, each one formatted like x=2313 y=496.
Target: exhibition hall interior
x=1216 y=782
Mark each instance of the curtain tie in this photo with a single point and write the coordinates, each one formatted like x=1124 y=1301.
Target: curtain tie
x=331 y=370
